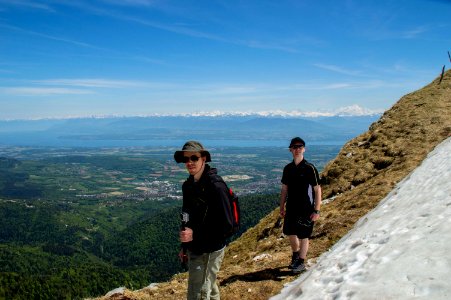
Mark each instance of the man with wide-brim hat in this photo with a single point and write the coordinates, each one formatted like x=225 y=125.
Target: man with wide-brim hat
x=205 y=221
x=192 y=146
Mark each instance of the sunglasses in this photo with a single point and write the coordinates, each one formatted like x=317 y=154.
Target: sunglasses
x=192 y=158
x=297 y=146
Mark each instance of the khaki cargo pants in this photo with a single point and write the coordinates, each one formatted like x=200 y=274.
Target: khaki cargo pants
x=202 y=275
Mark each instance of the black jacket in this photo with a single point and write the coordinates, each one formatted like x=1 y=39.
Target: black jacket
x=207 y=204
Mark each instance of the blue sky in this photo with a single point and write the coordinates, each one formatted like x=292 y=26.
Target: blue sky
x=144 y=57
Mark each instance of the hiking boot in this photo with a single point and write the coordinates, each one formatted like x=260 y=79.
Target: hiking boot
x=298 y=268
x=294 y=260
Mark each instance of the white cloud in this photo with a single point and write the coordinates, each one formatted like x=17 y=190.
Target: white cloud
x=179 y=28
x=413 y=33
x=338 y=69
x=50 y=37
x=92 y=82
x=26 y=4
x=38 y=91
x=146 y=3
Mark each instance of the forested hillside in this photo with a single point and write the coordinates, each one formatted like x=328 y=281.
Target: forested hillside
x=39 y=260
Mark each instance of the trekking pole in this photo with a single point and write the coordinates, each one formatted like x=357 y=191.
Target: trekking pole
x=185 y=218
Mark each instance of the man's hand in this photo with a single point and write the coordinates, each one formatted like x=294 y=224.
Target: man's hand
x=182 y=256
x=282 y=212
x=186 y=235
x=314 y=216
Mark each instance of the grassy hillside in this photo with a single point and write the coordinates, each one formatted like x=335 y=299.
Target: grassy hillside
x=363 y=173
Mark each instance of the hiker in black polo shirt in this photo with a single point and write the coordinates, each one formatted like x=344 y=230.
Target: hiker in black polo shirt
x=300 y=202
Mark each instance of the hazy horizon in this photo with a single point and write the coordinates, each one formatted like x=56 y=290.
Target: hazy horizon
x=349 y=111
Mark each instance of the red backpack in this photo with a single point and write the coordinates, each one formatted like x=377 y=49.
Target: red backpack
x=232 y=212
x=235 y=212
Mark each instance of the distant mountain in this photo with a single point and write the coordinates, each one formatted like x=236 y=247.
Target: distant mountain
x=170 y=130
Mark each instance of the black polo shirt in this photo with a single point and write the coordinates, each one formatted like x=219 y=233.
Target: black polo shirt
x=300 y=180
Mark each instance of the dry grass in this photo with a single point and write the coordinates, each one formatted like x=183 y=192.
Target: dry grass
x=363 y=173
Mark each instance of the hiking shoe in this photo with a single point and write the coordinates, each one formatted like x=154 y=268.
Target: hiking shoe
x=294 y=261
x=298 y=268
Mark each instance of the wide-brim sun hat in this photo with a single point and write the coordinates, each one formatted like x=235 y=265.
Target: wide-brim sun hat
x=191 y=146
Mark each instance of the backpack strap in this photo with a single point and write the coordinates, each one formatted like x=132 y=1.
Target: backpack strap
x=231 y=209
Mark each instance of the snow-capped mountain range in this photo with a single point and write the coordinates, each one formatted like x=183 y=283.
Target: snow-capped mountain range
x=316 y=127
x=346 y=111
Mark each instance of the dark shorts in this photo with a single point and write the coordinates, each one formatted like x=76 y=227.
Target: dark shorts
x=301 y=227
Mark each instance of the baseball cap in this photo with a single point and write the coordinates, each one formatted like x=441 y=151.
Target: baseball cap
x=296 y=140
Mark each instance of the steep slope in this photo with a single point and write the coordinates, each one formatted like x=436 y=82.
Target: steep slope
x=363 y=173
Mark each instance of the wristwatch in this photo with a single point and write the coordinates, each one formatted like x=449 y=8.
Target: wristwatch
x=316 y=212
